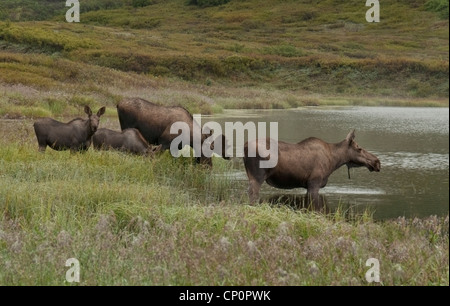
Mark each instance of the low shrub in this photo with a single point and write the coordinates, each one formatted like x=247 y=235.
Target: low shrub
x=439 y=6
x=206 y=3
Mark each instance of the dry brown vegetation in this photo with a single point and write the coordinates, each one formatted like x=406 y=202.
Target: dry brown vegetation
x=248 y=54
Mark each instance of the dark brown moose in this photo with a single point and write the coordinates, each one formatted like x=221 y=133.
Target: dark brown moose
x=307 y=164
x=129 y=140
x=155 y=121
x=74 y=136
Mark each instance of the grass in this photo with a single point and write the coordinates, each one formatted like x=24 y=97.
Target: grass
x=440 y=6
x=139 y=221
x=237 y=55
x=134 y=221
x=127 y=226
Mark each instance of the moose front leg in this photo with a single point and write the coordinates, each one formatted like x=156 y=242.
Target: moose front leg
x=42 y=148
x=253 y=190
x=314 y=199
x=256 y=178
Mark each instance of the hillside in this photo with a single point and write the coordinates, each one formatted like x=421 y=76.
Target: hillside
x=257 y=54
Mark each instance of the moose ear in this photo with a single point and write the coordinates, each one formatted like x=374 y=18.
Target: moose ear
x=350 y=137
x=88 y=110
x=101 y=111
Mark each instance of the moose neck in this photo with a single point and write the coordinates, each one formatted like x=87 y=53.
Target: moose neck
x=339 y=154
x=87 y=128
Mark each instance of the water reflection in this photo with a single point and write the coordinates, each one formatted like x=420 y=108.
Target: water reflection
x=410 y=160
x=412 y=144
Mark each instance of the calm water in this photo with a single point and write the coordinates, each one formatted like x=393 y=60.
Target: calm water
x=411 y=143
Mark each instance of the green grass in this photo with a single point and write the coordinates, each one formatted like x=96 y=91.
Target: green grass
x=237 y=55
x=134 y=221
x=440 y=6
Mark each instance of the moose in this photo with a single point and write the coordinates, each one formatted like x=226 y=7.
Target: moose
x=129 y=140
x=74 y=136
x=155 y=122
x=307 y=164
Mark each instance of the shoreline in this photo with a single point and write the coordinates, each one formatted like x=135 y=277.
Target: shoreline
x=12 y=112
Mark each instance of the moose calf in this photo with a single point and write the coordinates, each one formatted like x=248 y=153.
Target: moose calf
x=129 y=140
x=74 y=136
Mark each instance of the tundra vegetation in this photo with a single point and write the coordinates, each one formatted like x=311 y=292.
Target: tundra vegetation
x=241 y=54
x=131 y=220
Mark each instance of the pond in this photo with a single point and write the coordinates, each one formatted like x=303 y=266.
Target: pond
x=411 y=143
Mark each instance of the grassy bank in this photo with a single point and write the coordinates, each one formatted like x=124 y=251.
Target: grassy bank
x=134 y=221
x=252 y=54
x=108 y=87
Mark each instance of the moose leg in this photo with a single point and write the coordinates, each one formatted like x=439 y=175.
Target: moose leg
x=256 y=178
x=314 y=198
x=253 y=190
x=164 y=144
x=42 y=144
x=42 y=148
x=165 y=141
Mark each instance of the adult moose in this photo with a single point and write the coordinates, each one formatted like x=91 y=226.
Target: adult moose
x=74 y=136
x=307 y=164
x=155 y=122
x=129 y=140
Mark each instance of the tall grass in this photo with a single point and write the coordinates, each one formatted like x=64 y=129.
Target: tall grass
x=138 y=221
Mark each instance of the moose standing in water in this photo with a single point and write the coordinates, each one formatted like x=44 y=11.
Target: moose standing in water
x=155 y=122
x=74 y=136
x=307 y=164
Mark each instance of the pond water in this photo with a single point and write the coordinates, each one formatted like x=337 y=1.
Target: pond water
x=411 y=143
